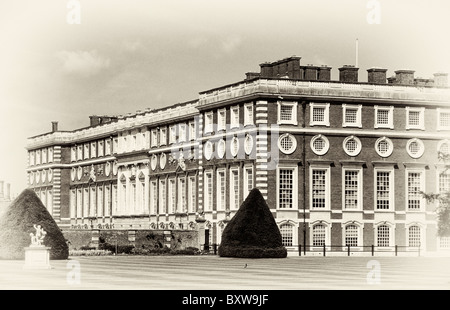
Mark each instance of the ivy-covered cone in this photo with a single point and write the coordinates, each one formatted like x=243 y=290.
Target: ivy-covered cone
x=16 y=225
x=252 y=232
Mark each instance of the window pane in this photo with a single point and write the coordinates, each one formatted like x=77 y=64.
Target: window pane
x=414 y=188
x=351 y=116
x=318 y=114
x=351 y=189
x=414 y=236
x=383 y=236
x=318 y=188
x=414 y=118
x=351 y=235
x=318 y=235
x=286 y=234
x=383 y=117
x=286 y=188
x=286 y=112
x=444 y=119
x=383 y=190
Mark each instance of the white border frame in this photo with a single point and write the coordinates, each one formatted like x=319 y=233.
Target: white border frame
x=359 y=206
x=327 y=169
x=391 y=171
x=390 y=124
x=249 y=121
x=439 y=111
x=358 y=148
x=326 y=148
x=294 y=143
x=219 y=206
x=293 y=120
x=326 y=121
x=422 y=188
x=294 y=185
x=358 y=109
x=421 y=150
x=421 y=111
x=391 y=147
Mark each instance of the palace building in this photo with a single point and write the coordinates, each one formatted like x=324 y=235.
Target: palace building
x=340 y=163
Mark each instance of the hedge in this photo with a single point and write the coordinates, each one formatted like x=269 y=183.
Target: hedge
x=17 y=222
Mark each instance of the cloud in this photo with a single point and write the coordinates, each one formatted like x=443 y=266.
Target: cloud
x=82 y=63
x=231 y=43
x=132 y=46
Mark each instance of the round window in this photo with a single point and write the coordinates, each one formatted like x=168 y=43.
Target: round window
x=248 y=145
x=162 y=160
x=79 y=173
x=415 y=148
x=352 y=146
x=221 y=146
x=50 y=175
x=73 y=174
x=287 y=143
x=107 y=169
x=208 y=150
x=320 y=145
x=384 y=147
x=154 y=162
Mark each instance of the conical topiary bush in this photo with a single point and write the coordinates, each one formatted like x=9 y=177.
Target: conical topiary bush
x=252 y=232
x=16 y=224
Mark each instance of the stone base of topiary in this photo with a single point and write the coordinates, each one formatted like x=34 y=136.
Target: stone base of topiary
x=252 y=252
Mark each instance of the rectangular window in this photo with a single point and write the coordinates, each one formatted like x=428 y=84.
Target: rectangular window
x=287 y=113
x=182 y=203
x=153 y=197
x=285 y=189
x=248 y=114
x=172 y=196
x=208 y=191
x=209 y=123
x=319 y=114
x=73 y=153
x=163 y=136
x=192 y=131
x=444 y=183
x=73 y=203
x=100 y=148
x=154 y=141
x=142 y=197
x=443 y=116
x=444 y=243
x=114 y=202
x=352 y=189
x=86 y=151
x=221 y=189
x=79 y=203
x=32 y=158
x=414 y=236
x=286 y=234
x=107 y=200
x=115 y=145
x=93 y=149
x=248 y=179
x=234 y=188
x=415 y=118
x=351 y=115
x=99 y=201
x=38 y=157
x=319 y=188
x=318 y=235
x=234 y=117
x=162 y=197
x=172 y=134
x=221 y=119
x=50 y=155
x=192 y=194
x=414 y=189
x=182 y=133
x=44 y=156
x=384 y=117
x=383 y=190
x=132 y=200
x=351 y=235
x=108 y=147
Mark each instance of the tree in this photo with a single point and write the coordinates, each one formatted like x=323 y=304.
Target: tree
x=16 y=224
x=252 y=232
x=443 y=201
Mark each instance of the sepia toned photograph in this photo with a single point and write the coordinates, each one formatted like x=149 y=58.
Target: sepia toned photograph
x=224 y=151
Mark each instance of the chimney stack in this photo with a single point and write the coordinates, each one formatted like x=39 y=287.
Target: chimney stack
x=404 y=77
x=324 y=73
x=54 y=126
x=311 y=72
x=440 y=79
x=376 y=76
x=252 y=75
x=349 y=74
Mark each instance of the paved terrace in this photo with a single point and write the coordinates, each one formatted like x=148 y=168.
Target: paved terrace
x=216 y=273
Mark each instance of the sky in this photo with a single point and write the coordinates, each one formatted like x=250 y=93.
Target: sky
x=126 y=56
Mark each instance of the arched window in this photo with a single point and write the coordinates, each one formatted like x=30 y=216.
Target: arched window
x=351 y=235
x=318 y=235
x=383 y=236
x=286 y=234
x=414 y=235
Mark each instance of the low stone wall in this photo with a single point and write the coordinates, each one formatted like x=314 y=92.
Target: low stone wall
x=175 y=239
